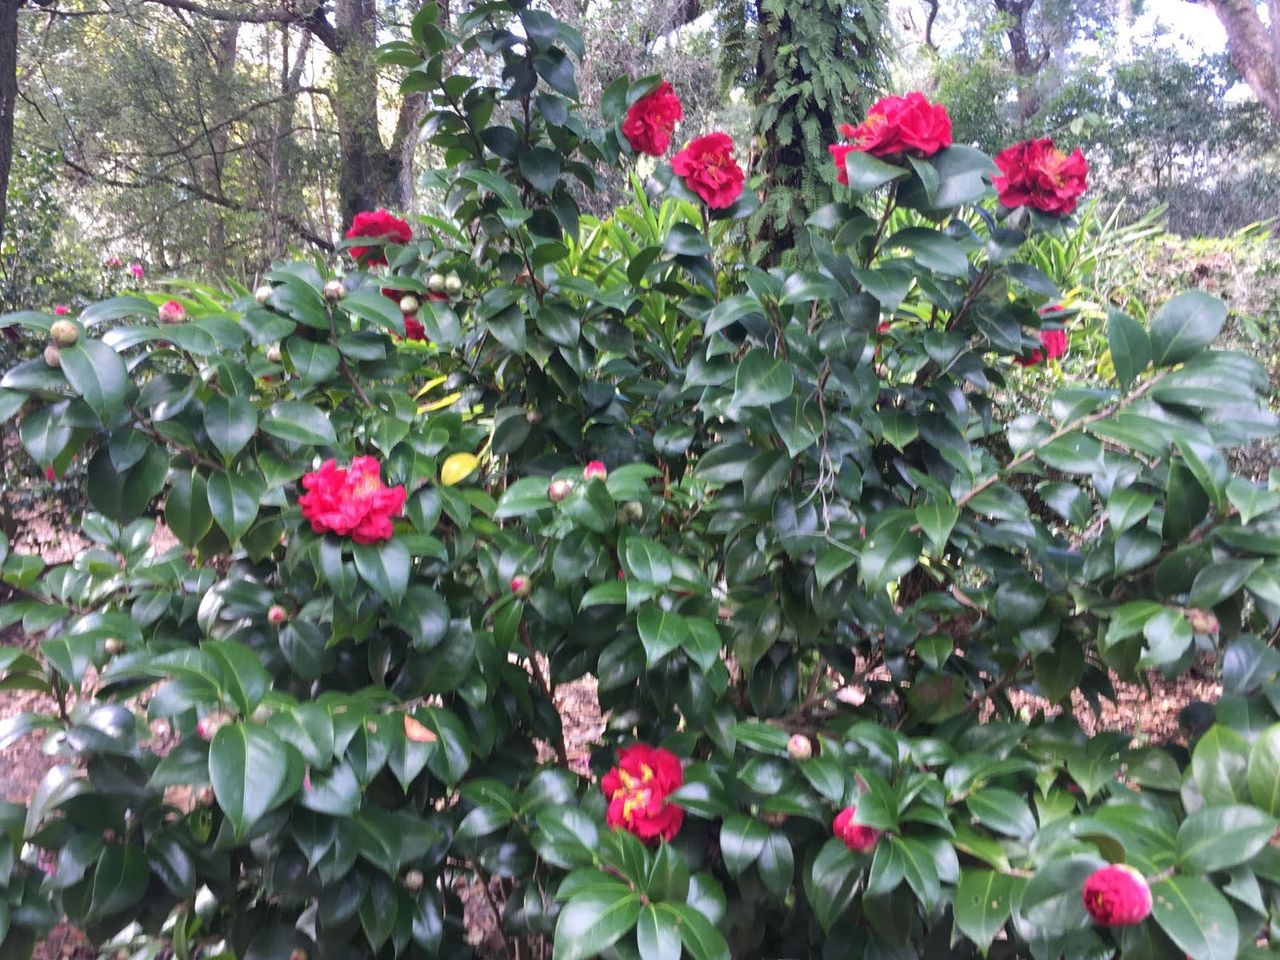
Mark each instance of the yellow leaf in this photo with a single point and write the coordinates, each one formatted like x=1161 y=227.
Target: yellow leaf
x=458 y=467
x=440 y=404
x=416 y=731
x=429 y=386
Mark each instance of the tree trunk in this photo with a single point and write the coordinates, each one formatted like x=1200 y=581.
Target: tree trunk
x=1026 y=65
x=8 y=95
x=223 y=48
x=1255 y=50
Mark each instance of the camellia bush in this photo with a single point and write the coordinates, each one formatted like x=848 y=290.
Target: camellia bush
x=843 y=605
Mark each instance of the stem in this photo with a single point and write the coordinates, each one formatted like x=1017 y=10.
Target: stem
x=342 y=361
x=890 y=204
x=561 y=748
x=191 y=453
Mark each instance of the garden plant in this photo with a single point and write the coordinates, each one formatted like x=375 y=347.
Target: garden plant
x=849 y=611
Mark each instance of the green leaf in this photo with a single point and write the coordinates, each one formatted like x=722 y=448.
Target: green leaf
x=657 y=935
x=1130 y=347
x=231 y=423
x=233 y=502
x=1002 y=811
x=937 y=520
x=1222 y=580
x=776 y=864
x=314 y=362
x=1196 y=917
x=983 y=902
x=867 y=172
x=661 y=632
x=541 y=167
x=833 y=882
x=385 y=567
x=701 y=939
x=593 y=921
x=97 y=373
x=248 y=768
x=1220 y=766
x=1184 y=326
x=1264 y=771
x=120 y=879
x=647 y=560
x=741 y=840
x=1218 y=838
x=892 y=550
x=762 y=379
x=933 y=250
x=298 y=422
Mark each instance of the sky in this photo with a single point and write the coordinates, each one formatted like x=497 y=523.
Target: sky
x=1195 y=28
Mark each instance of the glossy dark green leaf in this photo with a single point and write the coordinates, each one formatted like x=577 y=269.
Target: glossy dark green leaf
x=1184 y=326
x=593 y=921
x=248 y=768
x=1196 y=917
x=98 y=374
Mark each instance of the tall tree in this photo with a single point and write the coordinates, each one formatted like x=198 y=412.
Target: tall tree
x=1254 y=45
x=808 y=65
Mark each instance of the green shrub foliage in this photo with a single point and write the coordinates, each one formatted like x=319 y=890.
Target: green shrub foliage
x=824 y=567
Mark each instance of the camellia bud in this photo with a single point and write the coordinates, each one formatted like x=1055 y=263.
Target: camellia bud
x=261 y=713
x=263 y=293
x=64 y=333
x=298 y=954
x=559 y=489
x=452 y=285
x=413 y=880
x=52 y=356
x=171 y=311
x=533 y=416
x=211 y=724
x=799 y=747
x=435 y=283
x=277 y=615
x=1202 y=621
x=409 y=303
x=273 y=353
x=1117 y=896
x=633 y=511
x=334 y=290
x=855 y=836
x=113 y=646
x=520 y=586
x=594 y=469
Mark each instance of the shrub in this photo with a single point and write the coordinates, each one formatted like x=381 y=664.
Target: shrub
x=776 y=515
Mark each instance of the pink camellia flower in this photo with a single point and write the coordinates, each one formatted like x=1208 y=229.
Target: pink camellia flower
x=171 y=311
x=1037 y=174
x=50 y=474
x=377 y=225
x=1117 y=896
x=211 y=723
x=855 y=836
x=594 y=469
x=112 y=263
x=651 y=120
x=637 y=790
x=352 y=503
x=708 y=169
x=559 y=490
x=61 y=310
x=136 y=269
x=520 y=586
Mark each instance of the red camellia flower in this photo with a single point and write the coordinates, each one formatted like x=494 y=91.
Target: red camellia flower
x=855 y=836
x=1117 y=896
x=637 y=789
x=1037 y=174
x=50 y=474
x=1055 y=346
x=709 y=170
x=413 y=328
x=352 y=503
x=61 y=310
x=896 y=126
x=381 y=225
x=651 y=119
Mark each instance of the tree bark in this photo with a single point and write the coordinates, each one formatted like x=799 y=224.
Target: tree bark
x=1255 y=50
x=1026 y=65
x=8 y=96
x=218 y=136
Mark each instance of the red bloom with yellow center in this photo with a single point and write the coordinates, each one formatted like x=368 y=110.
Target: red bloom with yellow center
x=1037 y=174
x=708 y=169
x=637 y=790
x=352 y=503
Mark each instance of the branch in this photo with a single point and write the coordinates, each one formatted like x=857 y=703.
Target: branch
x=313 y=20
x=928 y=24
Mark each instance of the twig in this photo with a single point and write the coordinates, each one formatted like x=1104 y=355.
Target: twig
x=342 y=361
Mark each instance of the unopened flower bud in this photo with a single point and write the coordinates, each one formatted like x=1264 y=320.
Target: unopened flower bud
x=277 y=615
x=559 y=490
x=52 y=356
x=533 y=416
x=594 y=469
x=1117 y=896
x=211 y=724
x=520 y=586
x=452 y=285
x=632 y=511
x=435 y=283
x=298 y=954
x=263 y=293
x=113 y=646
x=799 y=747
x=204 y=797
x=409 y=303
x=261 y=713
x=64 y=333
x=1202 y=621
x=273 y=353
x=171 y=311
x=334 y=290
x=413 y=880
